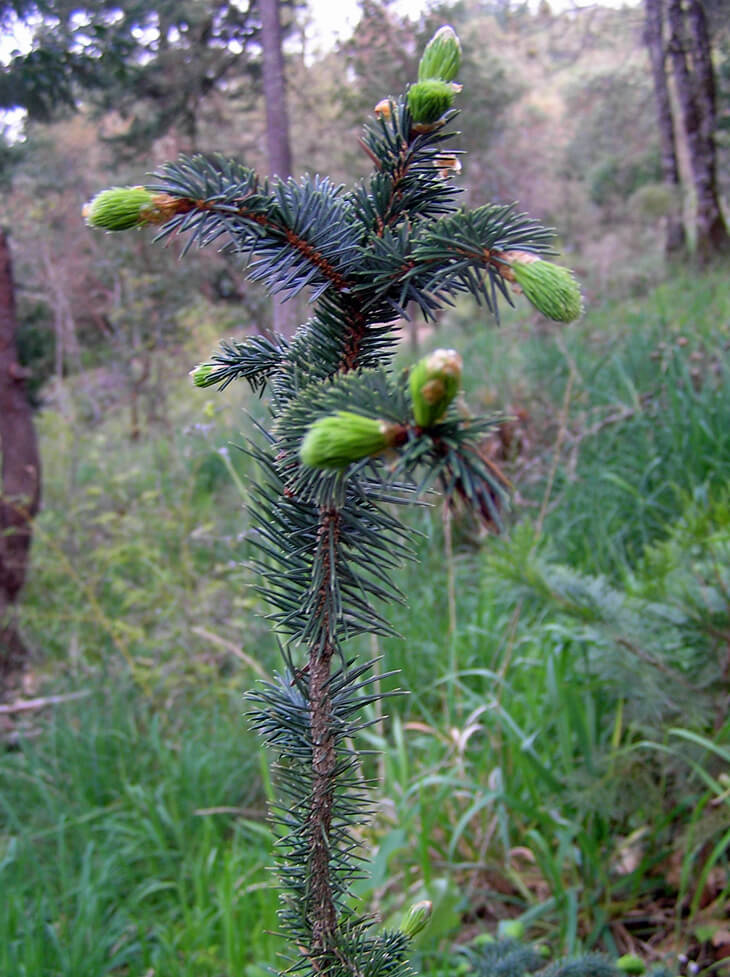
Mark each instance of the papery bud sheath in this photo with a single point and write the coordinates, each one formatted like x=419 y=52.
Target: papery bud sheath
x=434 y=382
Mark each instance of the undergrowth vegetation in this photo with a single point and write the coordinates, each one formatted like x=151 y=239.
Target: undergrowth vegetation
x=562 y=756
x=132 y=841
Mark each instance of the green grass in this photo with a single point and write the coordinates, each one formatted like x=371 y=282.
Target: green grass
x=109 y=862
x=561 y=755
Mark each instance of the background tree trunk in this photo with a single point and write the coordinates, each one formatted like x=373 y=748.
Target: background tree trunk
x=277 y=117
x=277 y=125
x=676 y=240
x=19 y=474
x=693 y=75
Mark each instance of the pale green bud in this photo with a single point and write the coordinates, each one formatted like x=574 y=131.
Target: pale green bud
x=442 y=56
x=434 y=382
x=416 y=918
x=201 y=373
x=119 y=208
x=511 y=929
x=631 y=964
x=428 y=100
x=552 y=290
x=338 y=439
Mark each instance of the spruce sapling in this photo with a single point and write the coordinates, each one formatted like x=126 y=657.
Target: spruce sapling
x=349 y=439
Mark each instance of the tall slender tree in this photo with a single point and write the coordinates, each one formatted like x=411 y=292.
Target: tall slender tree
x=277 y=117
x=277 y=123
x=676 y=239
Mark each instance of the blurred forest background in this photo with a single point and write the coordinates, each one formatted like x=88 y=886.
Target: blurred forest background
x=564 y=754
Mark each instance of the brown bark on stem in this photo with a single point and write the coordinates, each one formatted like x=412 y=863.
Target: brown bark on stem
x=19 y=473
x=321 y=908
x=324 y=759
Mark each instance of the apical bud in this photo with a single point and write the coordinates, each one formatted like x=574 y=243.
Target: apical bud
x=511 y=929
x=119 y=208
x=384 y=108
x=338 y=439
x=429 y=100
x=201 y=373
x=442 y=56
x=416 y=918
x=551 y=289
x=434 y=382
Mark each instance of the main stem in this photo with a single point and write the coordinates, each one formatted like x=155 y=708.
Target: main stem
x=322 y=912
x=321 y=908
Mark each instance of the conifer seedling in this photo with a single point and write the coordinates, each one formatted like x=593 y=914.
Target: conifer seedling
x=349 y=439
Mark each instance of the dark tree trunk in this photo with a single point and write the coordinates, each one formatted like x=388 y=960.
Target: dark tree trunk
x=19 y=474
x=277 y=123
x=700 y=53
x=695 y=83
x=676 y=240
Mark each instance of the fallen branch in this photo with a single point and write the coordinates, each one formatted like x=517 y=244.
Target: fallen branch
x=624 y=413
x=28 y=705
x=230 y=647
x=245 y=812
